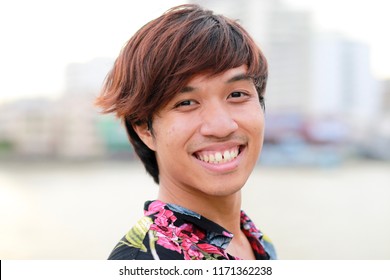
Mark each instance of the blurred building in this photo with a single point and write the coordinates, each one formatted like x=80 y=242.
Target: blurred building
x=86 y=78
x=284 y=36
x=76 y=134
x=70 y=127
x=320 y=92
x=114 y=138
x=384 y=122
x=77 y=117
x=27 y=128
x=342 y=81
x=386 y=97
x=375 y=139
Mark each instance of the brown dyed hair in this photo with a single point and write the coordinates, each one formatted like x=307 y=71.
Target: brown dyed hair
x=160 y=59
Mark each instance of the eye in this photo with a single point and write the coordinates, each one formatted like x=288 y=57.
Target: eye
x=185 y=103
x=238 y=95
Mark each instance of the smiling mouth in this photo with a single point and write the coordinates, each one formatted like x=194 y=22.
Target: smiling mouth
x=220 y=156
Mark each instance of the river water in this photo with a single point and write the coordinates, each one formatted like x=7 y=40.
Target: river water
x=59 y=210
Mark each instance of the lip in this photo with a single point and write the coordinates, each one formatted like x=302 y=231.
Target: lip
x=225 y=167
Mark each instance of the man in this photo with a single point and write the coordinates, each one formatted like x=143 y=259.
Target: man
x=189 y=86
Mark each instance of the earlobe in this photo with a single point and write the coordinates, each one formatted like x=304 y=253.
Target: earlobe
x=145 y=134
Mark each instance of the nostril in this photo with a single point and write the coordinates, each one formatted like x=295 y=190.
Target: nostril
x=218 y=127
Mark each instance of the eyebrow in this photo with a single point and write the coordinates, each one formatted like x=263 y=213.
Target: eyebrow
x=239 y=77
x=236 y=78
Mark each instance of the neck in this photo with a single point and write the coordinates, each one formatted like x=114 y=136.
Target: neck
x=223 y=210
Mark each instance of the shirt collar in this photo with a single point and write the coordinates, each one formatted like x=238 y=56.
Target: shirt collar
x=216 y=235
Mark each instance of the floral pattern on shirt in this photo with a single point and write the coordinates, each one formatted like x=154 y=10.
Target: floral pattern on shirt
x=171 y=232
x=183 y=239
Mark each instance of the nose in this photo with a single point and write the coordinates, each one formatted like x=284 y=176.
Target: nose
x=217 y=121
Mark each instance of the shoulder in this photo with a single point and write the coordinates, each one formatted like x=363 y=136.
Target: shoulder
x=132 y=244
x=269 y=247
x=139 y=243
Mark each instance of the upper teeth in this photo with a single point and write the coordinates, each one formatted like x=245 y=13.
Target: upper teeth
x=219 y=157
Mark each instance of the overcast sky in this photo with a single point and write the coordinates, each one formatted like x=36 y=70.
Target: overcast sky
x=39 y=38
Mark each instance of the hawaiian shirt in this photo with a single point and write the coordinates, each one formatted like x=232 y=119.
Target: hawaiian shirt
x=171 y=232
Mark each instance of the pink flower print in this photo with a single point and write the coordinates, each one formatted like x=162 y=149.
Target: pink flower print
x=164 y=218
x=199 y=233
x=155 y=207
x=162 y=231
x=190 y=250
x=190 y=231
x=185 y=232
x=227 y=234
x=256 y=246
x=210 y=249
x=168 y=243
x=186 y=227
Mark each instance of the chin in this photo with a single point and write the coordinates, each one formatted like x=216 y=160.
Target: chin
x=221 y=189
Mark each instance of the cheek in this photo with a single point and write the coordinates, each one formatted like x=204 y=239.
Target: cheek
x=255 y=121
x=173 y=130
x=261 y=126
x=256 y=130
x=172 y=136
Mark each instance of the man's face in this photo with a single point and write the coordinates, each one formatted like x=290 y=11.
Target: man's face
x=208 y=138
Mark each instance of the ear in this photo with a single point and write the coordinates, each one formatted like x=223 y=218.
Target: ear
x=145 y=135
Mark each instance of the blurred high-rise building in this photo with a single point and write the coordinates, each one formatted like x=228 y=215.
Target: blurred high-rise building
x=284 y=35
x=77 y=117
x=86 y=78
x=342 y=81
x=386 y=97
x=320 y=88
x=309 y=73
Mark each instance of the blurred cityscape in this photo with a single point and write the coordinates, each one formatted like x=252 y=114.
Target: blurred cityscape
x=67 y=171
x=323 y=105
